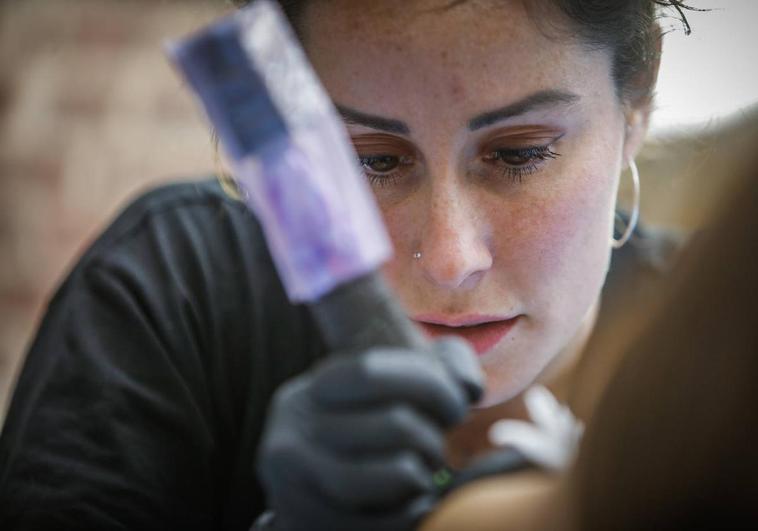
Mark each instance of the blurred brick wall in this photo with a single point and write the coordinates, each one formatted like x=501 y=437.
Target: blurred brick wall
x=90 y=114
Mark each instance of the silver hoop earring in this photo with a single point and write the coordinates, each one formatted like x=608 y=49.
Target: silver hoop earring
x=635 y=215
x=417 y=255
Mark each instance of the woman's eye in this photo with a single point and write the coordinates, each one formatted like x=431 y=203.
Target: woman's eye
x=522 y=156
x=386 y=170
x=517 y=163
x=380 y=163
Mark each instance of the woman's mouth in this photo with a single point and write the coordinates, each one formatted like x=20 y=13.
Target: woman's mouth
x=481 y=333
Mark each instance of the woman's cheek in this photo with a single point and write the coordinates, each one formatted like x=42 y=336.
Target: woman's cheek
x=569 y=245
x=399 y=223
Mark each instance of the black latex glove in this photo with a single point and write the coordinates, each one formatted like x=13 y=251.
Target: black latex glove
x=354 y=443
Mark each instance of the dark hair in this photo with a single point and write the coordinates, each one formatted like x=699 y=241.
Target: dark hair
x=628 y=28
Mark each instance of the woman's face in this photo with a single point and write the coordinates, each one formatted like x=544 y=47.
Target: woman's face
x=494 y=151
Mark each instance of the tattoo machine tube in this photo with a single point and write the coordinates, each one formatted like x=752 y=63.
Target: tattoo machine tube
x=297 y=171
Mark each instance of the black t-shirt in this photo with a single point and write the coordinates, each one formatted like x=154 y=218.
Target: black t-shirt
x=143 y=396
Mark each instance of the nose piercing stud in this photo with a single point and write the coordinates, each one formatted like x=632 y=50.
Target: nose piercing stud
x=417 y=255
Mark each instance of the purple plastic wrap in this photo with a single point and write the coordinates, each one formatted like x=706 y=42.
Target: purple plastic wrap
x=289 y=151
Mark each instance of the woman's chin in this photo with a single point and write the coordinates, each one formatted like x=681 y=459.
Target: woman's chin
x=499 y=395
x=507 y=381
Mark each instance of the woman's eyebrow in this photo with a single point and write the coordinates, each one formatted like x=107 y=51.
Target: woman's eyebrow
x=540 y=99
x=537 y=100
x=351 y=116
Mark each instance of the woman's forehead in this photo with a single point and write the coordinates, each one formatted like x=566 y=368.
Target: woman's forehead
x=386 y=22
x=463 y=60
x=411 y=19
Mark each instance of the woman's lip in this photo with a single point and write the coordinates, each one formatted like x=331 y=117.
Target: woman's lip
x=481 y=336
x=459 y=320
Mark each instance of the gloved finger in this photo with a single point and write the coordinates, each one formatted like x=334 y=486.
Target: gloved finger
x=281 y=462
x=380 y=431
x=371 y=484
x=285 y=434
x=462 y=363
x=382 y=376
x=292 y=464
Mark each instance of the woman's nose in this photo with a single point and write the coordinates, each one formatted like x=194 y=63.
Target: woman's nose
x=453 y=242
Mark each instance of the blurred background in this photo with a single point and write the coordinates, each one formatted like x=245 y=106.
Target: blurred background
x=91 y=114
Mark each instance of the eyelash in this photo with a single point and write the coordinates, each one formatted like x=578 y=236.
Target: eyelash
x=382 y=179
x=534 y=156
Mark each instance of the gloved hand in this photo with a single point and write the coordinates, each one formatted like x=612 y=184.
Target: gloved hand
x=354 y=443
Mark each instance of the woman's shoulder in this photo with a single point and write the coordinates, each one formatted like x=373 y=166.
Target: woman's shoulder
x=190 y=247
x=187 y=256
x=188 y=237
x=637 y=274
x=170 y=213
x=187 y=264
x=646 y=257
x=638 y=271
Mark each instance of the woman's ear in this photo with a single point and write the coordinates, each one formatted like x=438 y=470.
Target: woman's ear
x=637 y=121
x=638 y=110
